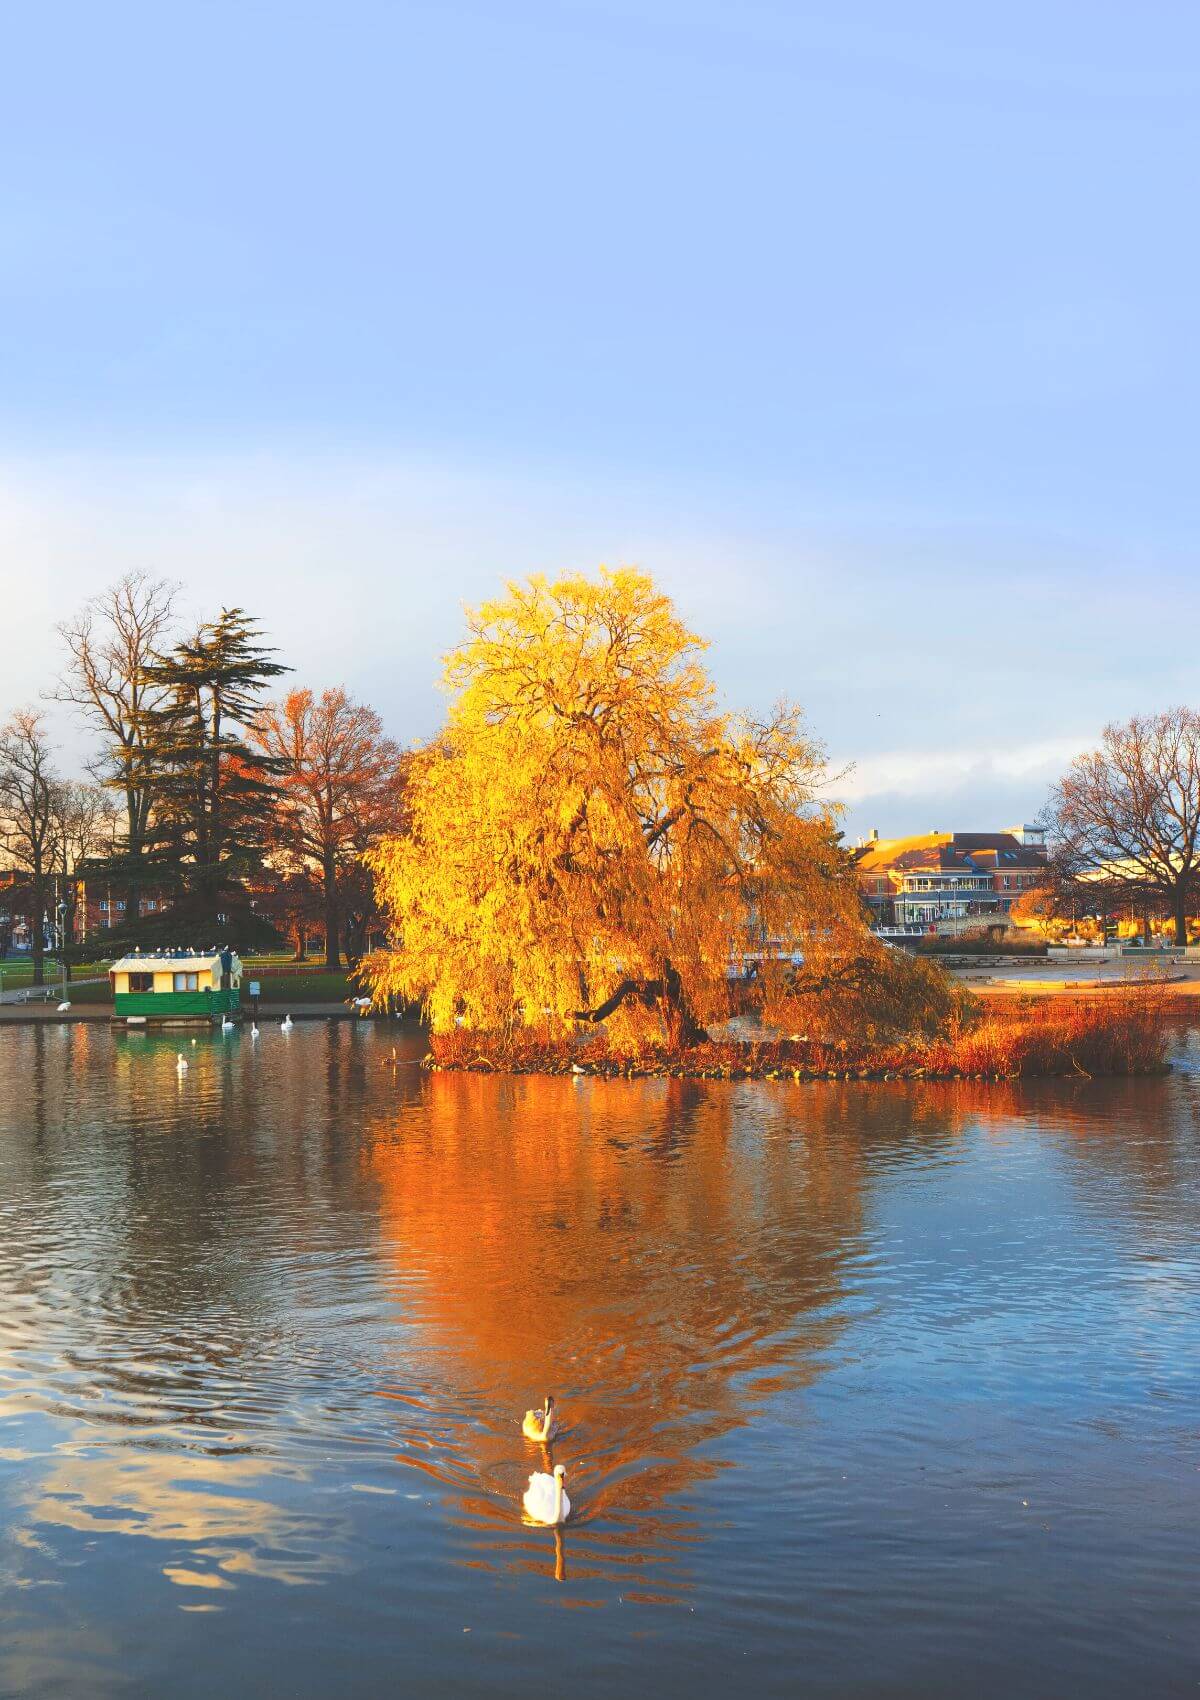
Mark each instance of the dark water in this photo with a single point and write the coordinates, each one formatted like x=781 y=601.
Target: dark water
x=870 y=1390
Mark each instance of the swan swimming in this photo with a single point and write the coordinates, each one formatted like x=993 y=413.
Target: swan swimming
x=253 y=1030
x=226 y=1025
x=286 y=1025
x=546 y=1499
x=541 y=1425
x=181 y=1064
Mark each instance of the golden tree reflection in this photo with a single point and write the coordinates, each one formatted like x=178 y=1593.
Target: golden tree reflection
x=660 y=1258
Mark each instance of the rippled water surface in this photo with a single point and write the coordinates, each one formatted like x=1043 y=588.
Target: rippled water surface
x=868 y=1390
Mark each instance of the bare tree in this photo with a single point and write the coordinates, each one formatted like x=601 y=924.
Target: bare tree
x=85 y=824
x=113 y=643
x=1127 y=815
x=27 y=810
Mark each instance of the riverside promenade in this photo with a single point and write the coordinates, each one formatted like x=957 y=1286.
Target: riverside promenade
x=16 y=1013
x=1078 y=971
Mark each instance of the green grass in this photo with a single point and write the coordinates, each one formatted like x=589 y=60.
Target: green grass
x=308 y=987
x=282 y=981
x=18 y=972
x=99 y=993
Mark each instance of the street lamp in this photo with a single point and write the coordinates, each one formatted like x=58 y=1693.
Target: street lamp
x=62 y=947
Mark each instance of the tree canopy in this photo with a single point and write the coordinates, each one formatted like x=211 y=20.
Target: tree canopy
x=1126 y=816
x=593 y=836
x=340 y=788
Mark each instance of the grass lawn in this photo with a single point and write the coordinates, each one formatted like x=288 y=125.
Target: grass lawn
x=282 y=981
x=16 y=973
x=308 y=986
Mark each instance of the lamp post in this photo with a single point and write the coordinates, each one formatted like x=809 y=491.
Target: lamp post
x=61 y=910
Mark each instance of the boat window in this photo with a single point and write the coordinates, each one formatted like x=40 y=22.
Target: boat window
x=186 y=983
x=141 y=982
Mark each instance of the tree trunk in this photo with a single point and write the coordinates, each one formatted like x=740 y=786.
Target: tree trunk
x=1181 y=921
x=682 y=1028
x=1146 y=933
x=300 y=954
x=333 y=957
x=37 y=936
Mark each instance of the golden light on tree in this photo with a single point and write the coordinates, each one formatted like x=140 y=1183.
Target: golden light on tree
x=593 y=837
x=340 y=788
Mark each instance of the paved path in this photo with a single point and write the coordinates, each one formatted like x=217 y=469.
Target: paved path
x=267 y=1012
x=50 y=993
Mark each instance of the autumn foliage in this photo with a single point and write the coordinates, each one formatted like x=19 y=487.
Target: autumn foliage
x=594 y=838
x=1122 y=1032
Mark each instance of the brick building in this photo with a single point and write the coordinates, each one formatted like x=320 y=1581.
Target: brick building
x=949 y=876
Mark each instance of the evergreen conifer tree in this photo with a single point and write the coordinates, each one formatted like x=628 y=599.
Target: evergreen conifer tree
x=213 y=793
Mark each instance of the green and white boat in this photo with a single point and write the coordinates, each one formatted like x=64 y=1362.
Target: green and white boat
x=177 y=985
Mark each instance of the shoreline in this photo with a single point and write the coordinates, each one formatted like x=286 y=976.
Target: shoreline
x=101 y=1014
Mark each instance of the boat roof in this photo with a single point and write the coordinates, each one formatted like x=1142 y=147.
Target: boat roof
x=141 y=961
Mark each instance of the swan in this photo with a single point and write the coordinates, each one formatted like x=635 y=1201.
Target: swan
x=546 y=1499
x=226 y=1025
x=181 y=1064
x=62 y=1007
x=253 y=1030
x=541 y=1425
x=286 y=1025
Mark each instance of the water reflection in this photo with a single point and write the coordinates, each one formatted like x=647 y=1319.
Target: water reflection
x=664 y=1261
x=273 y=1328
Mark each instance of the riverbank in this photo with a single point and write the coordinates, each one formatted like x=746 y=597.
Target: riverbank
x=102 y=1014
x=1123 y=1033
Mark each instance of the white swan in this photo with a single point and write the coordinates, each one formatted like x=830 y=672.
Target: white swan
x=286 y=1025
x=181 y=1065
x=253 y=1030
x=546 y=1499
x=226 y=1025
x=62 y=1007
x=541 y=1425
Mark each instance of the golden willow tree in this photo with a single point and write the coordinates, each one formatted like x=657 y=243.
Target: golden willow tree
x=593 y=839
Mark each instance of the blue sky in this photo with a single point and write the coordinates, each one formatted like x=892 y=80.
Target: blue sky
x=870 y=330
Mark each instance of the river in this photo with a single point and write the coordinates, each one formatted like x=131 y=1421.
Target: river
x=867 y=1389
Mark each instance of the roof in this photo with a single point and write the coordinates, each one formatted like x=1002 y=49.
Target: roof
x=964 y=852
x=148 y=960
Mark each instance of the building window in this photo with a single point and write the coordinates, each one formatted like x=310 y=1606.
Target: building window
x=149 y=904
x=104 y=906
x=186 y=983
x=141 y=982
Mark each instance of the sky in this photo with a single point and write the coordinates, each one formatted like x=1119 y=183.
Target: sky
x=869 y=331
